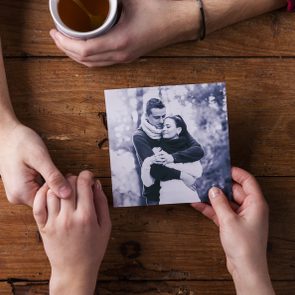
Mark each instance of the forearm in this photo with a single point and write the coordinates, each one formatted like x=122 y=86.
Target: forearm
x=220 y=14
x=252 y=279
x=146 y=177
x=7 y=114
x=192 y=154
x=256 y=285
x=72 y=284
x=164 y=173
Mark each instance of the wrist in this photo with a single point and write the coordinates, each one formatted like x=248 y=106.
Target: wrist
x=192 y=20
x=7 y=123
x=183 y=20
x=252 y=280
x=72 y=283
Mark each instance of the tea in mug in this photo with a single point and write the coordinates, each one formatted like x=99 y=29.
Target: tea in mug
x=83 y=15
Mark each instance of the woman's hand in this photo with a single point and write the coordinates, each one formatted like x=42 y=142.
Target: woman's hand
x=243 y=232
x=75 y=233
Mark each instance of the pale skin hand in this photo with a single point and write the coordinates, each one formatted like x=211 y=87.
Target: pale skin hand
x=165 y=157
x=243 y=233
x=75 y=233
x=148 y=25
x=143 y=27
x=23 y=155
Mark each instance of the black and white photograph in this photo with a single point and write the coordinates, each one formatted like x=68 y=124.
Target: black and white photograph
x=168 y=144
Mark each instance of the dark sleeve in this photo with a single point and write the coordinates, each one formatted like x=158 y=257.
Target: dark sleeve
x=193 y=153
x=144 y=150
x=164 y=173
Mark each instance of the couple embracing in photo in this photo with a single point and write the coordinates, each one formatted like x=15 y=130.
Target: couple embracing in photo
x=168 y=155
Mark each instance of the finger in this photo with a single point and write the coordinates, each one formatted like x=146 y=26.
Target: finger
x=238 y=193
x=85 y=47
x=85 y=200
x=39 y=206
x=97 y=58
x=69 y=204
x=206 y=210
x=101 y=205
x=77 y=59
x=221 y=205
x=53 y=204
x=101 y=59
x=247 y=182
x=52 y=175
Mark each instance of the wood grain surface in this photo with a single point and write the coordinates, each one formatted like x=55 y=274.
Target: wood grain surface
x=64 y=103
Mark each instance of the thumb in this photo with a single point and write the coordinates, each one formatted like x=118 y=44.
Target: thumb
x=221 y=205
x=53 y=177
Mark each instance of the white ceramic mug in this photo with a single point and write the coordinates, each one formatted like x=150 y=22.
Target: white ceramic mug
x=108 y=23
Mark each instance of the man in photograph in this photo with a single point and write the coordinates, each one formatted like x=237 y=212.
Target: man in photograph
x=147 y=137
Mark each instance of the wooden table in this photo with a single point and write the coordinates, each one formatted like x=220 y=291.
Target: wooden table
x=169 y=249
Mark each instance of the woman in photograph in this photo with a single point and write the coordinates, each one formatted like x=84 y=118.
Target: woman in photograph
x=174 y=138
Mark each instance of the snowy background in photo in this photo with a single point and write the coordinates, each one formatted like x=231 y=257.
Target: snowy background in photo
x=203 y=108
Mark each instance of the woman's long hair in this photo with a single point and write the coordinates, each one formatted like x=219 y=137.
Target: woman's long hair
x=179 y=122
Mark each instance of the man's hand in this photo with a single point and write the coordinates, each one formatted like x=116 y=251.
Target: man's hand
x=144 y=26
x=23 y=160
x=75 y=233
x=165 y=157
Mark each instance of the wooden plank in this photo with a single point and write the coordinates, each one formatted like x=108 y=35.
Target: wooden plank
x=161 y=288
x=25 y=26
x=5 y=288
x=64 y=102
x=144 y=240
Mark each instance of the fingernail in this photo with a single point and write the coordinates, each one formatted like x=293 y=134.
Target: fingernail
x=214 y=192
x=64 y=192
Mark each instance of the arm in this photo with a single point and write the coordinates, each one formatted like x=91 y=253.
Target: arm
x=23 y=155
x=75 y=234
x=146 y=177
x=173 y=22
x=191 y=154
x=7 y=117
x=243 y=233
x=144 y=150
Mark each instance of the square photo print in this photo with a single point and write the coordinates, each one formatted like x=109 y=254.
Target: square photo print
x=168 y=144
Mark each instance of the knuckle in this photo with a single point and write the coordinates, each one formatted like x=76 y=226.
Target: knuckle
x=72 y=178
x=229 y=219
x=14 y=196
x=122 y=57
x=67 y=224
x=85 y=177
x=37 y=212
x=84 y=52
x=121 y=43
x=53 y=177
x=49 y=229
x=14 y=199
x=85 y=219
